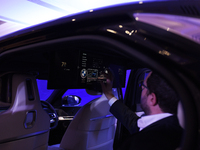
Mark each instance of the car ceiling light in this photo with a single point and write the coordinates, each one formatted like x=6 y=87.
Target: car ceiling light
x=73 y=19
x=164 y=52
x=136 y=18
x=129 y=33
x=112 y=31
x=120 y=26
x=91 y=10
x=140 y=2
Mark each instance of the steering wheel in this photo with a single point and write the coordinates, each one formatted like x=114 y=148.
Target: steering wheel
x=51 y=112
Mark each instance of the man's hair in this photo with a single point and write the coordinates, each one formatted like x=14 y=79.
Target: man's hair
x=167 y=98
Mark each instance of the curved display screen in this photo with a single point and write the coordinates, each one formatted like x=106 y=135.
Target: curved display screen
x=82 y=70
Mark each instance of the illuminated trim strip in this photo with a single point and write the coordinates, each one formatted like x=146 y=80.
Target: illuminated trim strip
x=102 y=117
x=61 y=118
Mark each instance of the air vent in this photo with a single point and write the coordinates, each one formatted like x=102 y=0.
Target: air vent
x=190 y=10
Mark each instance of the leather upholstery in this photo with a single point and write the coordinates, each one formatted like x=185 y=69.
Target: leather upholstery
x=93 y=128
x=25 y=125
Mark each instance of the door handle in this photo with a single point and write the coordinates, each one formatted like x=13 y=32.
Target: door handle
x=30 y=119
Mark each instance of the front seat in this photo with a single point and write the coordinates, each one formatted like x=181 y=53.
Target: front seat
x=92 y=128
x=25 y=125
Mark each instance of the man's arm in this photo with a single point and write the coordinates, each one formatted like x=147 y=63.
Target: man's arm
x=125 y=115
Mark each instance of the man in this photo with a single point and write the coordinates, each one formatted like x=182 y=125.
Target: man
x=159 y=129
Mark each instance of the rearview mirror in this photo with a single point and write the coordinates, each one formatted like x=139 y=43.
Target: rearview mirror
x=71 y=100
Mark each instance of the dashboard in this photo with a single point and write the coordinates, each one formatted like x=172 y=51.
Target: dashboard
x=83 y=70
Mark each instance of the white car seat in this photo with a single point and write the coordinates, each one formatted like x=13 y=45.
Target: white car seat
x=93 y=128
x=25 y=125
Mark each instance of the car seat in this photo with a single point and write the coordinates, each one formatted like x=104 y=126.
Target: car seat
x=24 y=125
x=93 y=128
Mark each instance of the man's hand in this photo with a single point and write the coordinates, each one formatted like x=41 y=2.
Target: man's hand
x=107 y=87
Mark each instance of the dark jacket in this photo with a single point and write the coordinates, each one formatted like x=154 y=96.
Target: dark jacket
x=165 y=134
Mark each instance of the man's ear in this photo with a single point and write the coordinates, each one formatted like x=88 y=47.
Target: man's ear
x=153 y=99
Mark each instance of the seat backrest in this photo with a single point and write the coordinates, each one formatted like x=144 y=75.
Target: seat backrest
x=25 y=125
x=92 y=128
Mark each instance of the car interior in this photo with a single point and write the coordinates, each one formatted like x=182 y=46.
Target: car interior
x=62 y=121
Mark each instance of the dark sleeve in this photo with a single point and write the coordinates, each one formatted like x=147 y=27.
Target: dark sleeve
x=125 y=115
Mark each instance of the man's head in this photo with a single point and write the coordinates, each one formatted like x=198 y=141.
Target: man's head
x=158 y=96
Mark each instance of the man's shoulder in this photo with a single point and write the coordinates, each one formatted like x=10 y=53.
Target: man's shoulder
x=166 y=130
x=170 y=120
x=168 y=124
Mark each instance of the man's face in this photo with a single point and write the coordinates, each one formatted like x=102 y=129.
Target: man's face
x=144 y=97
